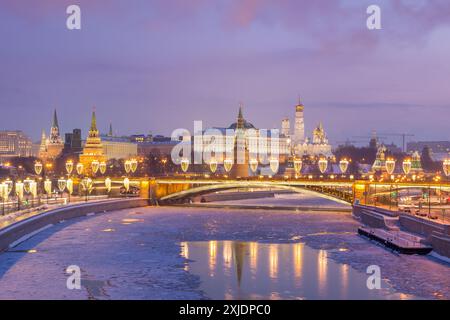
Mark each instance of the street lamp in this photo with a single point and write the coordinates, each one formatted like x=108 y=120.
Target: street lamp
x=134 y=164
x=108 y=184
x=390 y=165
x=127 y=166
x=69 y=167
x=86 y=183
x=228 y=164
x=298 y=164
x=126 y=184
x=274 y=165
x=19 y=193
x=80 y=168
x=38 y=167
x=253 y=165
x=323 y=165
x=48 y=188
x=213 y=165
x=343 y=165
x=94 y=166
x=184 y=164
x=102 y=167
x=446 y=167
x=62 y=185
x=407 y=166
x=69 y=187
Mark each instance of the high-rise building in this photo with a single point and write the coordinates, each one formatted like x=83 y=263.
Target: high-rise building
x=93 y=148
x=15 y=144
x=299 y=127
x=285 y=127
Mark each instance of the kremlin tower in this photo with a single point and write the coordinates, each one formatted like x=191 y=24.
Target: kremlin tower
x=93 y=149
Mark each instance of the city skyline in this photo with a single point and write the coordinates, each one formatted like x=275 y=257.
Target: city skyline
x=197 y=60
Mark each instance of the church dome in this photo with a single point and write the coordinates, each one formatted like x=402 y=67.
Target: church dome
x=247 y=125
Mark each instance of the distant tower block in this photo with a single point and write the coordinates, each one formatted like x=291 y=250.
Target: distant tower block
x=299 y=130
x=285 y=127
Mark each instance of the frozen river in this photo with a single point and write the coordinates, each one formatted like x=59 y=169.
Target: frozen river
x=166 y=253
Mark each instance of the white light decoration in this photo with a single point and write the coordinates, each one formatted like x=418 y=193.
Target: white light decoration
x=69 y=167
x=213 y=165
x=19 y=190
x=185 y=164
x=48 y=187
x=274 y=165
x=26 y=185
x=253 y=165
x=127 y=166
x=323 y=165
x=298 y=164
x=9 y=185
x=407 y=166
x=390 y=165
x=446 y=167
x=94 y=166
x=102 y=167
x=126 y=184
x=69 y=186
x=134 y=165
x=62 y=184
x=38 y=167
x=33 y=188
x=108 y=184
x=80 y=168
x=86 y=183
x=228 y=164
x=343 y=165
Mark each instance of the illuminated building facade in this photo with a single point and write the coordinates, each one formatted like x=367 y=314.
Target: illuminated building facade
x=93 y=148
x=52 y=146
x=15 y=144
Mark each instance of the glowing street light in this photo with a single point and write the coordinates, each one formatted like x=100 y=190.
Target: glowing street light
x=343 y=165
x=323 y=165
x=298 y=164
x=184 y=164
x=69 y=186
x=48 y=187
x=38 y=167
x=69 y=167
x=127 y=166
x=26 y=185
x=94 y=166
x=108 y=184
x=213 y=165
x=253 y=165
x=134 y=165
x=102 y=167
x=80 y=168
x=274 y=165
x=62 y=184
x=126 y=184
x=390 y=165
x=228 y=164
x=446 y=167
x=407 y=166
x=19 y=190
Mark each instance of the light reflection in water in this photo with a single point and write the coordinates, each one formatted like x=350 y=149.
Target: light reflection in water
x=273 y=261
x=251 y=270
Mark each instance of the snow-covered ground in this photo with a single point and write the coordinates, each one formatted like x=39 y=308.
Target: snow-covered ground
x=288 y=200
x=136 y=254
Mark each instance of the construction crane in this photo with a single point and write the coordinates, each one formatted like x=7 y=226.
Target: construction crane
x=404 y=136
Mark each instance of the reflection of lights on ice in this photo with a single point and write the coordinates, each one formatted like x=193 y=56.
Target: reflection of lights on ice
x=227 y=254
x=212 y=256
x=253 y=256
x=322 y=268
x=273 y=261
x=298 y=257
x=344 y=277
